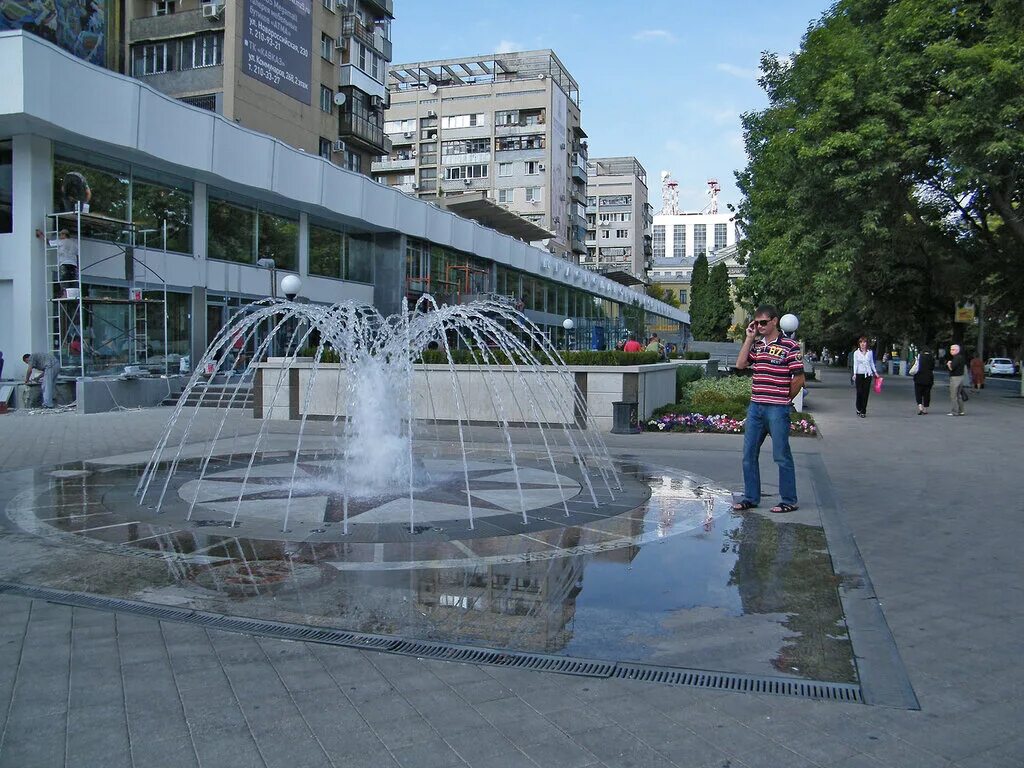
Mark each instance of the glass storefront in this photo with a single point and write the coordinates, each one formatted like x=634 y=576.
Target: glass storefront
x=243 y=231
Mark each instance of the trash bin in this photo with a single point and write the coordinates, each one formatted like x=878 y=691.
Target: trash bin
x=625 y=418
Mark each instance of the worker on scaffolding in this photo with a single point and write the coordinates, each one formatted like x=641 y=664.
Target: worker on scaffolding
x=67 y=257
x=48 y=365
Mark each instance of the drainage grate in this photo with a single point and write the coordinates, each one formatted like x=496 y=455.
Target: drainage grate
x=694 y=678
x=725 y=681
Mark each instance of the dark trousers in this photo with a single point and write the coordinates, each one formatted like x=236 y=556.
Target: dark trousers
x=923 y=394
x=863 y=384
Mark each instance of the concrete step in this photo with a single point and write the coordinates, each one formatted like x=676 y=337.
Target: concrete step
x=215 y=396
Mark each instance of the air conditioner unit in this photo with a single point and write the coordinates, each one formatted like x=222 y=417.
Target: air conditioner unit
x=376 y=102
x=408 y=134
x=212 y=10
x=541 y=166
x=414 y=185
x=341 y=44
x=338 y=146
x=431 y=113
x=467 y=182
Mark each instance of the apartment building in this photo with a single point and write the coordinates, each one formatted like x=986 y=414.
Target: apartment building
x=502 y=130
x=310 y=72
x=618 y=219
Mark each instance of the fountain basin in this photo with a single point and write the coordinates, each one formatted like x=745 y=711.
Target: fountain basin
x=650 y=386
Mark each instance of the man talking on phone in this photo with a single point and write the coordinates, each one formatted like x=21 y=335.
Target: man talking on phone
x=778 y=378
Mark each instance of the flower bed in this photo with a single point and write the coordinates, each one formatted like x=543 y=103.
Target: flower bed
x=801 y=424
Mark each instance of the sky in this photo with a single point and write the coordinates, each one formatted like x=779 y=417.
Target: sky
x=663 y=80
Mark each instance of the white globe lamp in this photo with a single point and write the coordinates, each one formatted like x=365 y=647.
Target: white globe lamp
x=568 y=324
x=789 y=323
x=290 y=286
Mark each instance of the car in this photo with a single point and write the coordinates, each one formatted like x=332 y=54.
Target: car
x=999 y=366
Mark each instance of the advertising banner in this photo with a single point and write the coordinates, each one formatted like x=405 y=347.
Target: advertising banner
x=76 y=26
x=276 y=38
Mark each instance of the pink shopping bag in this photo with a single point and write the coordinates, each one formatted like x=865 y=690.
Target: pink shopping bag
x=878 y=384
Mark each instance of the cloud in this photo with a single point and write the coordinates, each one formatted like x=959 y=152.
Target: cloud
x=655 y=34
x=507 y=46
x=741 y=72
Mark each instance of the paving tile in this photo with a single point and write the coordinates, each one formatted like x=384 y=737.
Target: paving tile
x=427 y=753
x=559 y=752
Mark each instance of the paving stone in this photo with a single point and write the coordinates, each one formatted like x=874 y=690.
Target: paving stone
x=559 y=752
x=427 y=753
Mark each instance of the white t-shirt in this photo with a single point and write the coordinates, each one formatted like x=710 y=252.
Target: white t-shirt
x=67 y=252
x=864 y=363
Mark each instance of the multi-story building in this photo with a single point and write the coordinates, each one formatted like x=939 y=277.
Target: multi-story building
x=308 y=73
x=617 y=219
x=197 y=229
x=503 y=128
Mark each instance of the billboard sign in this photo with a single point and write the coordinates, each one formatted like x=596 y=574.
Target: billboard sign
x=77 y=27
x=276 y=38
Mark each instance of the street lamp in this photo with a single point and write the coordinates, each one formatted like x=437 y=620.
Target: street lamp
x=272 y=266
x=290 y=286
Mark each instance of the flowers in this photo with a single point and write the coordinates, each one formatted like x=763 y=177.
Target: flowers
x=717 y=424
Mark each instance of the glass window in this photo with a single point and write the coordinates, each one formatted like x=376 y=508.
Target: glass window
x=504 y=169
x=679 y=240
x=533 y=194
x=6 y=187
x=506 y=195
x=326 y=99
x=157 y=199
x=326 y=46
x=203 y=50
x=105 y=189
x=658 y=241
x=326 y=251
x=179 y=331
x=325 y=148
x=700 y=239
x=278 y=239
x=359 y=257
x=152 y=59
x=231 y=231
x=721 y=235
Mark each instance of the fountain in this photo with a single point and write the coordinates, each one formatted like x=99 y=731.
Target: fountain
x=374 y=457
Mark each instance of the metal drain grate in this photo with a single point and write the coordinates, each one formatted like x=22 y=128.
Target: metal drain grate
x=725 y=681
x=594 y=668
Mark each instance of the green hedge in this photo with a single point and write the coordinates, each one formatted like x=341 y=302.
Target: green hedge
x=727 y=396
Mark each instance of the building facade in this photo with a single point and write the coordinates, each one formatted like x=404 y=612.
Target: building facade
x=310 y=73
x=618 y=217
x=674 y=275
x=504 y=127
x=181 y=209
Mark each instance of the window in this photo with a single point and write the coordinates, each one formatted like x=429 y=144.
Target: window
x=506 y=195
x=206 y=50
x=465 y=146
x=533 y=194
x=326 y=99
x=163 y=7
x=533 y=167
x=682 y=296
x=464 y=121
x=466 y=172
x=621 y=233
x=605 y=234
x=700 y=239
x=369 y=62
x=428 y=175
x=353 y=161
x=339 y=254
x=158 y=198
x=679 y=241
x=428 y=122
x=504 y=169
x=514 y=143
x=326 y=46
x=659 y=241
x=329 y=5
x=616 y=199
x=151 y=59
x=591 y=201
x=721 y=235
x=6 y=187
x=242 y=232
x=399 y=126
x=325 y=148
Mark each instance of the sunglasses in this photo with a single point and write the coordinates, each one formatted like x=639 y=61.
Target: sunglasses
x=762 y=322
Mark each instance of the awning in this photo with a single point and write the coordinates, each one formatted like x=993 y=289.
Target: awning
x=478 y=207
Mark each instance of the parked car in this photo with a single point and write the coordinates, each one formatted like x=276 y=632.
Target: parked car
x=999 y=366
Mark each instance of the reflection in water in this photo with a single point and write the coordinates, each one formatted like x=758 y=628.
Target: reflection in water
x=652 y=583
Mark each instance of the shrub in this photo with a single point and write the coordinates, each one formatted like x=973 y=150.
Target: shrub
x=697 y=356
x=686 y=374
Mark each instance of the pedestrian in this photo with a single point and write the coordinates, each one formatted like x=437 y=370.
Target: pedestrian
x=654 y=345
x=864 y=372
x=778 y=378
x=632 y=345
x=923 y=371
x=956 y=366
x=977 y=373
x=47 y=363
x=67 y=258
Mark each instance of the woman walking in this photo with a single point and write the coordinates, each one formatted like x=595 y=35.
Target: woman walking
x=923 y=371
x=977 y=373
x=863 y=372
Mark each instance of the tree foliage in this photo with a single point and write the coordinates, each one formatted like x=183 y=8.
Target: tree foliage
x=660 y=293
x=698 y=282
x=886 y=176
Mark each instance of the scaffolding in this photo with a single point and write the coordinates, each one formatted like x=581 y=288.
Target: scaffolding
x=76 y=321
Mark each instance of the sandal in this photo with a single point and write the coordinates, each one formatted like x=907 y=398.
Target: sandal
x=784 y=508
x=743 y=506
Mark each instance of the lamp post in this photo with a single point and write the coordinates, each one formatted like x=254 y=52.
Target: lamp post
x=568 y=324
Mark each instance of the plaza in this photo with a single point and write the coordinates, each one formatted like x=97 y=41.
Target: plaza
x=925 y=632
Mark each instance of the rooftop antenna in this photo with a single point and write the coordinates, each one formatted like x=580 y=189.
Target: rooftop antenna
x=669 y=194
x=713 y=189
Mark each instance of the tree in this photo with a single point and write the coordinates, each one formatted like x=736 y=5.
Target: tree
x=698 y=281
x=660 y=293
x=885 y=177
x=718 y=306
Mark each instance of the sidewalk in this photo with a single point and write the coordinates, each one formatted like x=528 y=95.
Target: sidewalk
x=931 y=501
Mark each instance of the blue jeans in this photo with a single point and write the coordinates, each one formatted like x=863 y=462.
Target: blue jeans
x=764 y=420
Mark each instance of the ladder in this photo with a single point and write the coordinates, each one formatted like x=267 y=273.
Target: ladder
x=65 y=318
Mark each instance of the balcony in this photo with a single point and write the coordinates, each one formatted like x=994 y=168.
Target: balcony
x=361 y=131
x=579 y=173
x=352 y=26
x=393 y=164
x=352 y=76
x=172 y=25
x=474 y=158
x=387 y=7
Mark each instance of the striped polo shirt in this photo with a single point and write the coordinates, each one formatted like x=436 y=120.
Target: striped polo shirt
x=774 y=364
